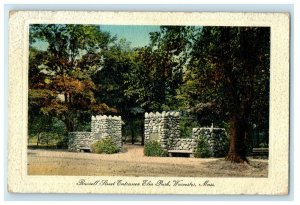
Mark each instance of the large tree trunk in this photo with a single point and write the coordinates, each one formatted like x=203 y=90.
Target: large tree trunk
x=237 y=151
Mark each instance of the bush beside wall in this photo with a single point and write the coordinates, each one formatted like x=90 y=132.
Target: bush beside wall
x=106 y=145
x=153 y=148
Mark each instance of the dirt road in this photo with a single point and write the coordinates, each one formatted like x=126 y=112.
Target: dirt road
x=133 y=163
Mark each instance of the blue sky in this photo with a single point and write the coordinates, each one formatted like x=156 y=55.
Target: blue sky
x=137 y=35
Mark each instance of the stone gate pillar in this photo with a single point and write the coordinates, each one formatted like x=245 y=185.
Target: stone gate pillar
x=162 y=127
x=108 y=126
x=102 y=126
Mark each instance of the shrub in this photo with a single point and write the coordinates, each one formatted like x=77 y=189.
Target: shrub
x=202 y=150
x=153 y=148
x=106 y=145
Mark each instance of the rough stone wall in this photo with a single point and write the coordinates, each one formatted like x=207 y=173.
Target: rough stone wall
x=101 y=127
x=163 y=127
x=215 y=137
x=108 y=126
x=81 y=140
x=184 y=144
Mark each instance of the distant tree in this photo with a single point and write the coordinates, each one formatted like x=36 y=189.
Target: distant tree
x=159 y=68
x=109 y=79
x=59 y=75
x=111 y=82
x=229 y=73
x=156 y=72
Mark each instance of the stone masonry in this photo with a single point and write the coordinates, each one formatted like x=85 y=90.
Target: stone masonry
x=184 y=144
x=164 y=128
x=101 y=127
x=215 y=137
x=108 y=126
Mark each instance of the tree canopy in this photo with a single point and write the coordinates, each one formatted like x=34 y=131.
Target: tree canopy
x=60 y=81
x=229 y=76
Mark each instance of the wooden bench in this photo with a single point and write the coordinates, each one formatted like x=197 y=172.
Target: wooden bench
x=260 y=152
x=180 y=152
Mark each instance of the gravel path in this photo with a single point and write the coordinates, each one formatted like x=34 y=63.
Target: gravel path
x=132 y=162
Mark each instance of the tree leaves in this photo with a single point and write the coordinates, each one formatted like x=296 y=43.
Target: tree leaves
x=60 y=74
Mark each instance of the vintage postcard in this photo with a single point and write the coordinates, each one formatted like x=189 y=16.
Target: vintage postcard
x=148 y=102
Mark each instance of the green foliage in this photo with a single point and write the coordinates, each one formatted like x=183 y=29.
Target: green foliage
x=114 y=77
x=110 y=78
x=60 y=83
x=153 y=148
x=202 y=150
x=186 y=126
x=106 y=146
x=228 y=75
x=158 y=69
x=45 y=130
x=47 y=139
x=224 y=151
x=132 y=130
x=230 y=69
x=62 y=143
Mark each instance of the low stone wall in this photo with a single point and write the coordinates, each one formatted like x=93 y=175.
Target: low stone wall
x=215 y=137
x=183 y=144
x=101 y=127
x=80 y=140
x=164 y=128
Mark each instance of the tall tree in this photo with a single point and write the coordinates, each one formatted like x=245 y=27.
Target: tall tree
x=59 y=73
x=159 y=68
x=109 y=79
x=229 y=72
x=111 y=82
